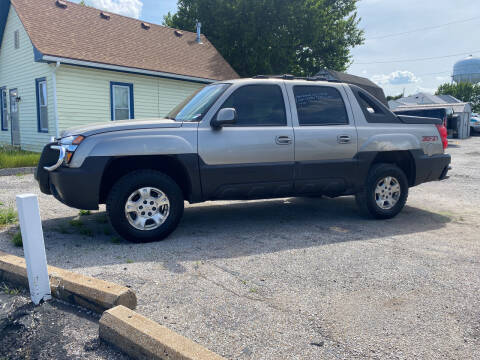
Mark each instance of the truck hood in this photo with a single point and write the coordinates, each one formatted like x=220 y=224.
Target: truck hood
x=119 y=125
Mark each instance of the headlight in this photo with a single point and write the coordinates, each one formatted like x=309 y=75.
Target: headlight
x=70 y=144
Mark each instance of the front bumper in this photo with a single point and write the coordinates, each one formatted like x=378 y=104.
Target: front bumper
x=432 y=168
x=75 y=187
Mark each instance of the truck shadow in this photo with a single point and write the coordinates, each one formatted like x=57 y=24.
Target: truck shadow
x=221 y=230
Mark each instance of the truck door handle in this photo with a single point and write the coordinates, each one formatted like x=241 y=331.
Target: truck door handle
x=344 y=139
x=283 y=140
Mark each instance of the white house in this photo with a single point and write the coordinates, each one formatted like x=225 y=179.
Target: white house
x=63 y=64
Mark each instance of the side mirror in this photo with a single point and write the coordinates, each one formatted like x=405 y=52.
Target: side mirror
x=227 y=116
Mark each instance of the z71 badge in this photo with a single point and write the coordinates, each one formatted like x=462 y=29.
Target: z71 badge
x=430 y=138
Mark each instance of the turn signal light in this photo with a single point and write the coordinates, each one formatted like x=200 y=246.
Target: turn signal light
x=78 y=140
x=68 y=157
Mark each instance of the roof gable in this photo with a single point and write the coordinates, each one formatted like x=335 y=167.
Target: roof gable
x=81 y=33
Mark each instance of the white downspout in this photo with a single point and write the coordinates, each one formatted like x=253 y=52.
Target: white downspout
x=55 y=105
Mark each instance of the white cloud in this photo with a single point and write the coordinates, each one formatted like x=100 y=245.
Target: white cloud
x=398 y=77
x=132 y=8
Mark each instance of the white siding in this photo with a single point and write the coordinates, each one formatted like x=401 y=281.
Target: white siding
x=18 y=70
x=83 y=94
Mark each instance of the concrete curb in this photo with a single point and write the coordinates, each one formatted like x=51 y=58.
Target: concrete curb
x=90 y=293
x=16 y=171
x=142 y=338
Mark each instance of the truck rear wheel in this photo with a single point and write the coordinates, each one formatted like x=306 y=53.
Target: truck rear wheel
x=145 y=206
x=385 y=192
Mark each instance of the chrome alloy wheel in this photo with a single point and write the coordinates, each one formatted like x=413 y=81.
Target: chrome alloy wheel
x=387 y=192
x=147 y=208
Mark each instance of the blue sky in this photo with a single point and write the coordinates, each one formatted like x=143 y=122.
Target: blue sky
x=382 y=57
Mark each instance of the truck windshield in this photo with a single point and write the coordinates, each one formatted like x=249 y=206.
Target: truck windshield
x=197 y=105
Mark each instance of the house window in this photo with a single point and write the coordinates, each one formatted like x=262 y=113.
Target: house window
x=3 y=108
x=121 y=101
x=42 y=105
x=16 y=39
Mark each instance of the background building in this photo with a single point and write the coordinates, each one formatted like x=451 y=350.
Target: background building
x=459 y=121
x=64 y=65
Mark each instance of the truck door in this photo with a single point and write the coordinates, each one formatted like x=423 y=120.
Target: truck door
x=325 y=139
x=253 y=158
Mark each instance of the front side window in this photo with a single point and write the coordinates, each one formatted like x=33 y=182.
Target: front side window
x=42 y=105
x=197 y=105
x=122 y=101
x=319 y=105
x=3 y=108
x=258 y=105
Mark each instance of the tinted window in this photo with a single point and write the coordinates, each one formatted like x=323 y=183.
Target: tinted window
x=258 y=105
x=319 y=105
x=374 y=110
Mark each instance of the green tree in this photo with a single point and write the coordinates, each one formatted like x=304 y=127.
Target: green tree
x=275 y=36
x=394 y=97
x=463 y=91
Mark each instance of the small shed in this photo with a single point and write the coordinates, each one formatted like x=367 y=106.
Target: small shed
x=459 y=121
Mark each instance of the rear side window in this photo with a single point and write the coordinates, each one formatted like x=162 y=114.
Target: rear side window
x=319 y=105
x=258 y=105
x=374 y=110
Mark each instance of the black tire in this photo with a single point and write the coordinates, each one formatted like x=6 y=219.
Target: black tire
x=120 y=193
x=366 y=200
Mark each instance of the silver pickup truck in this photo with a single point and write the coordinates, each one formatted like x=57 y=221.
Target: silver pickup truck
x=245 y=139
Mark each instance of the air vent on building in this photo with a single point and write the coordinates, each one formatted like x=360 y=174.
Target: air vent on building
x=62 y=4
x=178 y=33
x=105 y=15
x=145 y=26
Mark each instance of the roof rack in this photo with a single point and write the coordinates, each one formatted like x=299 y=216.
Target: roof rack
x=293 y=77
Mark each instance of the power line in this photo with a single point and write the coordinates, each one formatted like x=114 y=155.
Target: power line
x=418 y=59
x=422 y=29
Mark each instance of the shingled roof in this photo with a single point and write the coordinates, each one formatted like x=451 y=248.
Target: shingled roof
x=83 y=33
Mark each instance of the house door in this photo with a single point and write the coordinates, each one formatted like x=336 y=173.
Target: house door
x=14 y=120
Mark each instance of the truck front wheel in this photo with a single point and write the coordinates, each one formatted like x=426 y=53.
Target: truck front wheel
x=145 y=206
x=385 y=192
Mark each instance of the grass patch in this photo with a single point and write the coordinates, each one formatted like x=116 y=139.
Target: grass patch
x=8 y=216
x=9 y=291
x=129 y=261
x=84 y=213
x=12 y=157
x=107 y=231
x=17 y=239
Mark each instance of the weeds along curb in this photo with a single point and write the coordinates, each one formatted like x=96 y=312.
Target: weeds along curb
x=85 y=291
x=142 y=338
x=17 y=171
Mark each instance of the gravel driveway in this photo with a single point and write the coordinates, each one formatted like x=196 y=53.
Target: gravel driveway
x=298 y=278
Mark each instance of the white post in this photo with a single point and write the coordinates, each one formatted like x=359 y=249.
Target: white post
x=34 y=247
